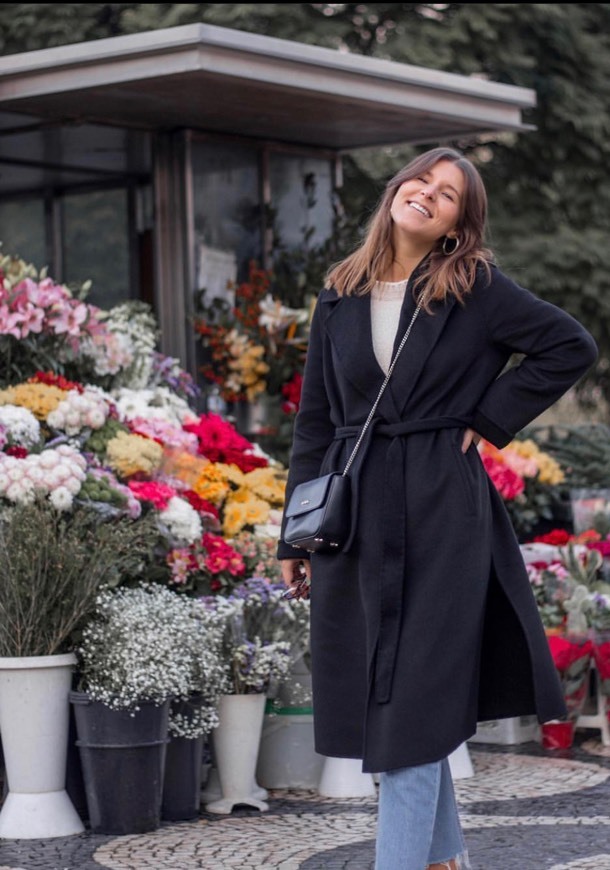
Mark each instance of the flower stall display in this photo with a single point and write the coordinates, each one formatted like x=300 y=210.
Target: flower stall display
x=147 y=644
x=255 y=345
x=574 y=604
x=528 y=481
x=108 y=424
x=112 y=478
x=253 y=357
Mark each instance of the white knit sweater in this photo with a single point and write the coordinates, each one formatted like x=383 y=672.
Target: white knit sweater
x=386 y=302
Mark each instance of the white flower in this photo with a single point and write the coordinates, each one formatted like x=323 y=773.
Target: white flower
x=155 y=403
x=54 y=470
x=61 y=498
x=35 y=474
x=21 y=425
x=49 y=458
x=276 y=317
x=182 y=520
x=148 y=643
x=14 y=472
x=21 y=492
x=78 y=410
x=73 y=485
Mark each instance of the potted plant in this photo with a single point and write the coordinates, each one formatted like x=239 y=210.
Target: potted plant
x=52 y=563
x=255 y=658
x=143 y=648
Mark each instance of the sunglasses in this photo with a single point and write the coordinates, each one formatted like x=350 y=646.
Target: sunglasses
x=300 y=590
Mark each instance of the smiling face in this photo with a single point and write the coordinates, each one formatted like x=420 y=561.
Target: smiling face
x=427 y=208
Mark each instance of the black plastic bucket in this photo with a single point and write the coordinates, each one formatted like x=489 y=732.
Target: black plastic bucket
x=183 y=768
x=122 y=756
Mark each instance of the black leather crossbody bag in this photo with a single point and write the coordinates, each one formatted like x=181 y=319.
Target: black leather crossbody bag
x=318 y=515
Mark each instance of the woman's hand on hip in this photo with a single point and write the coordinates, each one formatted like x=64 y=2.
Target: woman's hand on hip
x=470 y=437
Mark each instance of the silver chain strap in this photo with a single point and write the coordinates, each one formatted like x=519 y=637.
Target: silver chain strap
x=380 y=394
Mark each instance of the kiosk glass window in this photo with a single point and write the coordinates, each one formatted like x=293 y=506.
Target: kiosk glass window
x=227 y=213
x=22 y=230
x=96 y=244
x=301 y=196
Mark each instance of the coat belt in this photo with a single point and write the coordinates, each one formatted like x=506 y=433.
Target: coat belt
x=393 y=529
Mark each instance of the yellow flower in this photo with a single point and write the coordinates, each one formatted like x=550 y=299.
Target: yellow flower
x=247 y=367
x=231 y=473
x=212 y=484
x=240 y=496
x=40 y=399
x=265 y=483
x=234 y=519
x=549 y=470
x=243 y=509
x=128 y=454
x=528 y=449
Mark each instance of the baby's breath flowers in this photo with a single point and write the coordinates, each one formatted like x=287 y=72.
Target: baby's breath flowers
x=148 y=644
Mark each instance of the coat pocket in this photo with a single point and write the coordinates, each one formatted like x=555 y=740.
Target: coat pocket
x=465 y=471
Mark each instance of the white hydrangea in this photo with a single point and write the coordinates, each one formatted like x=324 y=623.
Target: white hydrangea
x=21 y=425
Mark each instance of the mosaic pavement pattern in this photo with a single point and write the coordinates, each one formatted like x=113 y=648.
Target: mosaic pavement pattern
x=524 y=809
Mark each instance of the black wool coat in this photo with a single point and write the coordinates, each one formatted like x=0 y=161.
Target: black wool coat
x=427 y=623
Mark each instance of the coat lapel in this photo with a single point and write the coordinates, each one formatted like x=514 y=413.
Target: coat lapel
x=348 y=326
x=426 y=332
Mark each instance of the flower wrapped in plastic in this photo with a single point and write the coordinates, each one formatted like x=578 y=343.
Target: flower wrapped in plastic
x=264 y=634
x=572 y=659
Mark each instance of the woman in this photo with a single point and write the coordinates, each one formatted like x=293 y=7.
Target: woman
x=425 y=623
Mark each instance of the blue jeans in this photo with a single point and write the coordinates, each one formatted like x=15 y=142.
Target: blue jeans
x=418 y=821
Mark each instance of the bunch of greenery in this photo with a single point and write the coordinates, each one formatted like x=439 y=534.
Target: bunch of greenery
x=52 y=565
x=583 y=451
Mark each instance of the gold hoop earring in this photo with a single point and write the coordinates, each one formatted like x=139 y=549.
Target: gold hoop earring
x=454 y=248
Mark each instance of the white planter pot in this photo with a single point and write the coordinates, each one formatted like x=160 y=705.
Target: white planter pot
x=236 y=744
x=213 y=792
x=460 y=763
x=287 y=757
x=343 y=777
x=34 y=720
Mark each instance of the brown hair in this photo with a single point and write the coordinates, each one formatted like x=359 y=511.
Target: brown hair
x=441 y=274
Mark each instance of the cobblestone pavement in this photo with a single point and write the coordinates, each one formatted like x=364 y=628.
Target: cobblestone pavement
x=525 y=808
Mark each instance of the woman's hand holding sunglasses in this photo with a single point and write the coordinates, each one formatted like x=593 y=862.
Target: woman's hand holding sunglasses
x=297 y=576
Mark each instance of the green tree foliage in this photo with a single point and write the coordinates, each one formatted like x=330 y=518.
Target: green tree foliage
x=549 y=188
